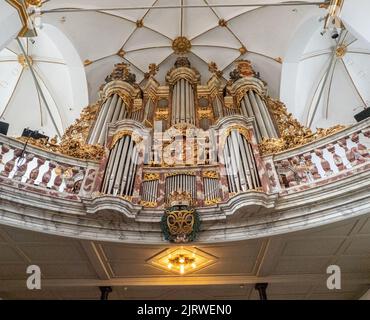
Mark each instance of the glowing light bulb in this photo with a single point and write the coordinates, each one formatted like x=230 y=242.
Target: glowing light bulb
x=182 y=269
x=193 y=265
x=169 y=266
x=181 y=260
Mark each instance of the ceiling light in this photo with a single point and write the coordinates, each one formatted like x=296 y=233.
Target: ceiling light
x=182 y=260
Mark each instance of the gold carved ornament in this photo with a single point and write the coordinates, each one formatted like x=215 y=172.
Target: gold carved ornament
x=148 y=204
x=205 y=113
x=73 y=142
x=117 y=136
x=210 y=174
x=188 y=173
x=149 y=176
x=161 y=114
x=212 y=202
x=242 y=130
x=180 y=222
x=292 y=133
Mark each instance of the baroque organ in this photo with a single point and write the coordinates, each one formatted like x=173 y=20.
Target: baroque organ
x=196 y=141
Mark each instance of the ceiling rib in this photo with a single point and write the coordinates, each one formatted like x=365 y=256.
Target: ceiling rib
x=353 y=83
x=12 y=94
x=267 y=4
x=39 y=88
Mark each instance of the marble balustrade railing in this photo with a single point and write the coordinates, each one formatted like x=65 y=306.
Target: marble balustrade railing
x=330 y=158
x=337 y=155
x=41 y=169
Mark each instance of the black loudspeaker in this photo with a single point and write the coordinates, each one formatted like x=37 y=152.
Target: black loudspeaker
x=4 y=128
x=33 y=134
x=362 y=115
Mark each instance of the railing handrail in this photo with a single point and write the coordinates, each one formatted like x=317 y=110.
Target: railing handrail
x=322 y=142
x=47 y=154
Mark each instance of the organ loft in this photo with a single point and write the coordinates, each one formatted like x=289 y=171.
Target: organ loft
x=183 y=146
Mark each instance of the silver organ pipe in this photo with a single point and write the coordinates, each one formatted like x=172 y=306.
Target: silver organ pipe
x=108 y=169
x=150 y=190
x=211 y=189
x=267 y=116
x=148 y=111
x=120 y=172
x=116 y=112
x=241 y=171
x=114 y=109
x=178 y=102
x=183 y=102
x=253 y=106
x=258 y=115
x=121 y=165
x=217 y=107
x=99 y=123
x=112 y=176
x=181 y=183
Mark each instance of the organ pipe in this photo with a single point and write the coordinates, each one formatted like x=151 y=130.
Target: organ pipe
x=241 y=168
x=113 y=109
x=183 y=102
x=121 y=169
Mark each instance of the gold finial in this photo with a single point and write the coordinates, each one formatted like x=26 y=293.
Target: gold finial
x=245 y=68
x=153 y=69
x=181 y=45
x=213 y=68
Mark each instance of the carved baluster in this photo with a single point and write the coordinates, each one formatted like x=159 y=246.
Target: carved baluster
x=4 y=150
x=337 y=159
x=300 y=168
x=349 y=154
x=312 y=171
x=35 y=171
x=290 y=175
x=324 y=163
x=22 y=169
x=359 y=150
x=58 y=178
x=9 y=166
x=47 y=175
x=366 y=132
x=68 y=179
x=274 y=184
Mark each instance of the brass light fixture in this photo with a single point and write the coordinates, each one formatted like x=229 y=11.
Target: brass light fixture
x=182 y=260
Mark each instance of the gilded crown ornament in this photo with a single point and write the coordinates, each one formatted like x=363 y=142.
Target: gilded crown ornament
x=153 y=69
x=121 y=72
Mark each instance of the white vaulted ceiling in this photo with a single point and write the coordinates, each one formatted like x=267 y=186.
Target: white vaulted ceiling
x=56 y=73
x=99 y=34
x=98 y=30
x=326 y=81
